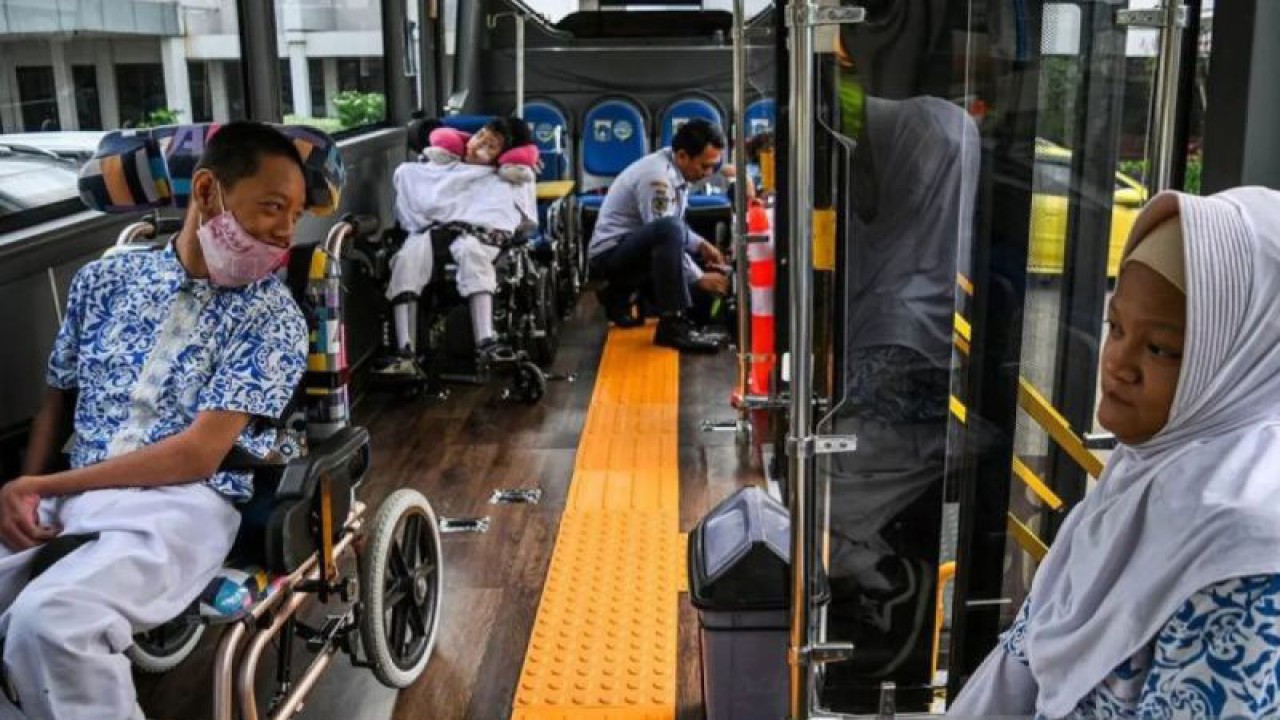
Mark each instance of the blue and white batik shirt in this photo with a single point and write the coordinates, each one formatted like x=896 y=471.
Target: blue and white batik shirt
x=1217 y=657
x=148 y=348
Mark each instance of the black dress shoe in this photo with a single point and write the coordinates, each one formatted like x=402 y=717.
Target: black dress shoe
x=678 y=333
x=493 y=351
x=619 y=308
x=623 y=317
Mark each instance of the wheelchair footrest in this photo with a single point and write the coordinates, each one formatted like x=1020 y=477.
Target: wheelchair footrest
x=327 y=634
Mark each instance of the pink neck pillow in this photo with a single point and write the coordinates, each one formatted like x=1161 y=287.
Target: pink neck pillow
x=455 y=141
x=526 y=155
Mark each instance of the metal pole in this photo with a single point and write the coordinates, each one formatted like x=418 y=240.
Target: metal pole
x=740 y=200
x=1160 y=139
x=800 y=203
x=260 y=66
x=519 y=65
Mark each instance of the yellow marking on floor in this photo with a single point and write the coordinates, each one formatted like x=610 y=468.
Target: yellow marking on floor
x=604 y=642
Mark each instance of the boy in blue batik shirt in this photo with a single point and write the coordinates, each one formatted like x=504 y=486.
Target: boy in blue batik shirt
x=165 y=361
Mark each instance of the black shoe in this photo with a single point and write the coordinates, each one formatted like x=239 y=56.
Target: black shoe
x=401 y=365
x=679 y=333
x=619 y=308
x=623 y=317
x=493 y=351
x=718 y=335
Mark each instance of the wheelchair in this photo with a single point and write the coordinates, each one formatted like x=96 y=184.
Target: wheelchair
x=302 y=524
x=525 y=315
x=562 y=251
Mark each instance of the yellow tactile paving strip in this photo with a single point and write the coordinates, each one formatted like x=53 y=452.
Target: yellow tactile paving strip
x=604 y=642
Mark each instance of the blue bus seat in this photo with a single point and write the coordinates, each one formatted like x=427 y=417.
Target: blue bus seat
x=614 y=135
x=550 y=126
x=762 y=116
x=678 y=113
x=682 y=111
x=466 y=123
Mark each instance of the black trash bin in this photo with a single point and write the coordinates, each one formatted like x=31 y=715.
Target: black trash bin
x=738 y=580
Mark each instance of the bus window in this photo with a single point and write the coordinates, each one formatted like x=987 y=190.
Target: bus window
x=77 y=74
x=332 y=73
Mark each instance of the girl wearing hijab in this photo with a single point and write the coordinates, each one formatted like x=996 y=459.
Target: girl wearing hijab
x=1161 y=596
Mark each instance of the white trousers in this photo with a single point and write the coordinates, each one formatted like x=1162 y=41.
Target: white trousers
x=66 y=631
x=412 y=266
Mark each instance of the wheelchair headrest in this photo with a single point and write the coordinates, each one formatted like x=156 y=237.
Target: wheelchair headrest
x=136 y=170
x=419 y=133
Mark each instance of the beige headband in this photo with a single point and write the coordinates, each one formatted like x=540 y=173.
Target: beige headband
x=1161 y=250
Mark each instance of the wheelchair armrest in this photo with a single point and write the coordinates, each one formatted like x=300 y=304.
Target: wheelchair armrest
x=345 y=453
x=524 y=234
x=241 y=460
x=292 y=535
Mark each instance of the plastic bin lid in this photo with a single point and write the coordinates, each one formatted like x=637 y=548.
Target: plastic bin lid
x=739 y=554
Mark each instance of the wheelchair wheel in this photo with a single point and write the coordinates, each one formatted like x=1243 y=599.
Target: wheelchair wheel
x=569 y=280
x=530 y=384
x=401 y=579
x=164 y=648
x=546 y=319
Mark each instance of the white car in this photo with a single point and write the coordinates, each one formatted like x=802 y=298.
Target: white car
x=31 y=179
x=77 y=145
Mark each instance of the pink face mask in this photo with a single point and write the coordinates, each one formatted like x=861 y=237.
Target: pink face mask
x=234 y=257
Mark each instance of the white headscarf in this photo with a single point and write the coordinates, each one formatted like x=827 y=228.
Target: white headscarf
x=1197 y=504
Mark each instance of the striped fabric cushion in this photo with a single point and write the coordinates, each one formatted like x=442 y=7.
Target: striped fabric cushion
x=137 y=170
x=127 y=174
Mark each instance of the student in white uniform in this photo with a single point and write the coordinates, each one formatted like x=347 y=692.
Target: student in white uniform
x=1160 y=597
x=475 y=192
x=164 y=362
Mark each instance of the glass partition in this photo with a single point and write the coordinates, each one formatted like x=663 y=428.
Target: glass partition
x=989 y=164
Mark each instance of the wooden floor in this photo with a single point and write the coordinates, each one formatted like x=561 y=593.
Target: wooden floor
x=457 y=452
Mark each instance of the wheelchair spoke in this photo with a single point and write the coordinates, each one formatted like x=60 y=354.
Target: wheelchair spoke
x=424 y=571
x=399 y=564
x=399 y=629
x=414 y=615
x=412 y=539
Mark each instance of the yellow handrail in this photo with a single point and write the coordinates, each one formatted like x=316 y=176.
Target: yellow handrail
x=1038 y=486
x=1035 y=405
x=1031 y=544
x=1043 y=412
x=946 y=573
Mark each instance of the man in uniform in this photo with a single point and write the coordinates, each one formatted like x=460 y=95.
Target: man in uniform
x=641 y=241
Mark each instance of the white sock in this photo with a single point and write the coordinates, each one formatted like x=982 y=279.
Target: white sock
x=482 y=316
x=405 y=314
